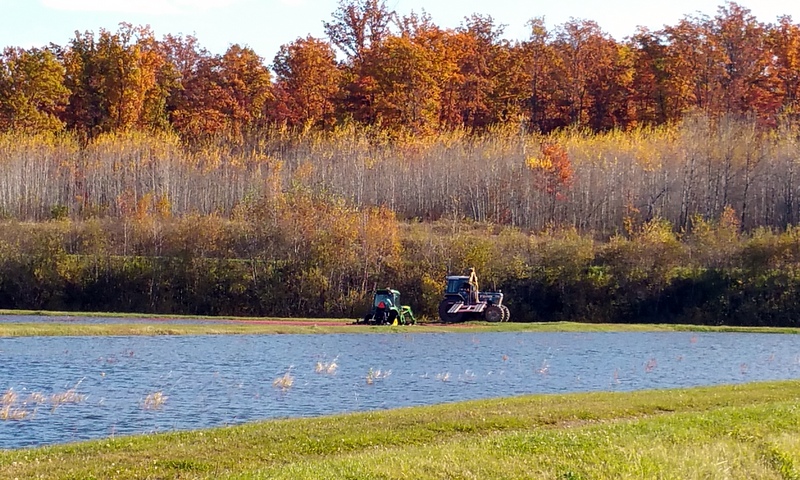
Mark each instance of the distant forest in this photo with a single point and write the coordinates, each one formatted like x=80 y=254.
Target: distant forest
x=407 y=74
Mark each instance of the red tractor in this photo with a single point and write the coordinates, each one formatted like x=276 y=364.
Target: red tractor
x=463 y=301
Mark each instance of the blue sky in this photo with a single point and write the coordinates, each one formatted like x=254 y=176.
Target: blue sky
x=264 y=25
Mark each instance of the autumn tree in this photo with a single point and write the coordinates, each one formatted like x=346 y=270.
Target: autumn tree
x=406 y=93
x=552 y=173
x=359 y=25
x=512 y=84
x=540 y=63
x=32 y=91
x=784 y=45
x=592 y=76
x=610 y=88
x=476 y=47
x=650 y=94
x=747 y=78
x=307 y=83
x=189 y=62
x=117 y=80
x=694 y=66
x=442 y=62
x=223 y=94
x=247 y=81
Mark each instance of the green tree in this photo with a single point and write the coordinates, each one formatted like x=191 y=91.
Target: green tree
x=32 y=90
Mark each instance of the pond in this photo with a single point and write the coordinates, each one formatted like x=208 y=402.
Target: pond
x=64 y=389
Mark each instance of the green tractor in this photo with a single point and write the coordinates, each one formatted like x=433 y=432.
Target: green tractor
x=386 y=310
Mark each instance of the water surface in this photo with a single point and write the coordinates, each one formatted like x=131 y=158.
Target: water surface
x=228 y=379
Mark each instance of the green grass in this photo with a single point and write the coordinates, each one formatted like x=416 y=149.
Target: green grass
x=73 y=329
x=746 y=431
x=246 y=325
x=50 y=313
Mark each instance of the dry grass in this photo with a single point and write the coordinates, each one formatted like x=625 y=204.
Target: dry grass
x=9 y=410
x=70 y=396
x=15 y=407
x=284 y=382
x=9 y=397
x=154 y=401
x=36 y=397
x=373 y=375
x=13 y=413
x=329 y=368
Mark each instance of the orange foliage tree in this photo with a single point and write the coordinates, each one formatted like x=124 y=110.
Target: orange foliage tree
x=224 y=93
x=307 y=83
x=405 y=91
x=118 y=81
x=552 y=172
x=784 y=44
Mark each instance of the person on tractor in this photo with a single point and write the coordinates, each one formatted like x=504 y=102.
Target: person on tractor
x=473 y=283
x=385 y=303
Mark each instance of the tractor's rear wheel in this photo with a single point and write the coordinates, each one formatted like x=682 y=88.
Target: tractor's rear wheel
x=446 y=317
x=493 y=313
x=506 y=313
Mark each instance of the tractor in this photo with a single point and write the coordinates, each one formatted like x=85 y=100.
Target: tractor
x=386 y=309
x=463 y=301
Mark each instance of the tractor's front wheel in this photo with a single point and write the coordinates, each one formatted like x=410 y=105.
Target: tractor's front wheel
x=444 y=314
x=493 y=314
x=506 y=313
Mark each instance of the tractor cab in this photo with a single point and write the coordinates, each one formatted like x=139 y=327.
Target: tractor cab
x=458 y=285
x=386 y=299
x=387 y=310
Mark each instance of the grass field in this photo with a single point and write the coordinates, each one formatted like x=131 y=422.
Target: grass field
x=746 y=431
x=232 y=328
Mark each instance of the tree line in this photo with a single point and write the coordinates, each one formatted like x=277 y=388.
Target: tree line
x=307 y=254
x=404 y=73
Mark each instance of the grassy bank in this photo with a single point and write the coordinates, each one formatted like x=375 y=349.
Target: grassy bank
x=264 y=326
x=745 y=431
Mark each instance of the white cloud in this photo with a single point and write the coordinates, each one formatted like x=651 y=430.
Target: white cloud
x=152 y=7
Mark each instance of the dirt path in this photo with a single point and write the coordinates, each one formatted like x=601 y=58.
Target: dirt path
x=304 y=322
x=299 y=323
x=329 y=323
